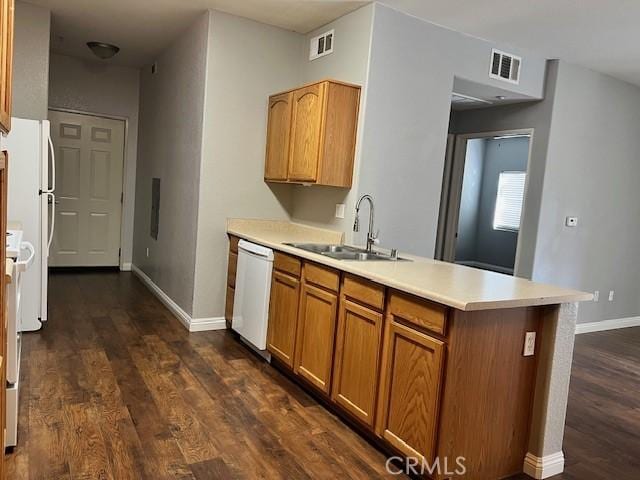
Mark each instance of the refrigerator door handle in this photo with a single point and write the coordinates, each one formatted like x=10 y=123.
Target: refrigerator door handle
x=53 y=169
x=53 y=219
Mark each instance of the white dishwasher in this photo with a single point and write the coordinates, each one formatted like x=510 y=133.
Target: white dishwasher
x=253 y=288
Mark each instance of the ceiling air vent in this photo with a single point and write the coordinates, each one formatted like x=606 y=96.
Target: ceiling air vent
x=321 y=45
x=505 y=66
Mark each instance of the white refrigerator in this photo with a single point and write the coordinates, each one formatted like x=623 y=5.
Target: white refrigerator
x=32 y=203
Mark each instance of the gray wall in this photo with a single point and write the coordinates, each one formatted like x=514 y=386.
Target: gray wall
x=170 y=147
x=106 y=89
x=412 y=68
x=349 y=63
x=466 y=243
x=534 y=115
x=241 y=74
x=592 y=172
x=31 y=61
x=498 y=247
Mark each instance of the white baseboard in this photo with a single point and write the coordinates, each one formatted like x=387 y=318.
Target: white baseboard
x=544 y=467
x=126 y=267
x=191 y=324
x=486 y=266
x=204 y=324
x=607 y=325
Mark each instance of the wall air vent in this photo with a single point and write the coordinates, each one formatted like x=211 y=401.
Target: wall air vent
x=321 y=45
x=505 y=66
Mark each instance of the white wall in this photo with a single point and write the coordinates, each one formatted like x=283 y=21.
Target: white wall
x=349 y=63
x=104 y=89
x=31 y=61
x=170 y=147
x=247 y=61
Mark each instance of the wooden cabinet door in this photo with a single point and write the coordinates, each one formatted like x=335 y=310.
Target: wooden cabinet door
x=278 y=130
x=315 y=339
x=357 y=360
x=6 y=62
x=283 y=317
x=306 y=134
x=410 y=390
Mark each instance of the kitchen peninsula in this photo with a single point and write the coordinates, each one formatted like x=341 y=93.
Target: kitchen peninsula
x=433 y=360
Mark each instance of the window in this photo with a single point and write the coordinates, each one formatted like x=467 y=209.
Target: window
x=509 y=201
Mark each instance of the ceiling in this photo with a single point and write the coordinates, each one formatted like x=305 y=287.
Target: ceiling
x=143 y=28
x=599 y=34
x=602 y=35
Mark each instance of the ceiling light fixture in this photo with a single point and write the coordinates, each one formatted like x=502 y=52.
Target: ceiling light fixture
x=103 y=51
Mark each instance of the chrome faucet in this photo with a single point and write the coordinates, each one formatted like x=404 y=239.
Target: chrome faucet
x=371 y=237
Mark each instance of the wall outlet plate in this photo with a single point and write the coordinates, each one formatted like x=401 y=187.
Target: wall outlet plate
x=611 y=293
x=529 y=344
x=339 y=210
x=596 y=295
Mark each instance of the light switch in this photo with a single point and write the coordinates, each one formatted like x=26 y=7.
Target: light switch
x=571 y=221
x=339 y=210
x=596 y=295
x=529 y=344
x=611 y=292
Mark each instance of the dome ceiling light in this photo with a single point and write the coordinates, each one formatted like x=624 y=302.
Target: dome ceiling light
x=103 y=51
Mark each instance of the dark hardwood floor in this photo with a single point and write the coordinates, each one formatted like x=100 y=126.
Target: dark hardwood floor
x=115 y=388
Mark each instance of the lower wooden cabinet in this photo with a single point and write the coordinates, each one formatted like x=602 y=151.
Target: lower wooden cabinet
x=231 y=279
x=357 y=360
x=315 y=337
x=410 y=390
x=283 y=317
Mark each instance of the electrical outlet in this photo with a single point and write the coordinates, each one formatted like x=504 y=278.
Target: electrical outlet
x=611 y=292
x=339 y=210
x=596 y=296
x=147 y=252
x=529 y=344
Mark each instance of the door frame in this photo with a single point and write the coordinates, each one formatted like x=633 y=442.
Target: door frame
x=452 y=191
x=127 y=203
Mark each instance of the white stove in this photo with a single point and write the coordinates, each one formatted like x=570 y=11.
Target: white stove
x=14 y=242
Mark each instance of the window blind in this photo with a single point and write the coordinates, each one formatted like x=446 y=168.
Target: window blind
x=509 y=201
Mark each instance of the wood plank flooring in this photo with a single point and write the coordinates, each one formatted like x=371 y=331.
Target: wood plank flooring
x=115 y=388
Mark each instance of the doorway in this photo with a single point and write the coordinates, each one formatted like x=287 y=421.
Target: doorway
x=89 y=159
x=484 y=192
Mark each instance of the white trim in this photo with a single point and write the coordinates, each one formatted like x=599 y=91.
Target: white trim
x=191 y=324
x=204 y=324
x=544 y=467
x=126 y=267
x=607 y=325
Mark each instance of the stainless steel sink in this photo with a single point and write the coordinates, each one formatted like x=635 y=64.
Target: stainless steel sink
x=344 y=252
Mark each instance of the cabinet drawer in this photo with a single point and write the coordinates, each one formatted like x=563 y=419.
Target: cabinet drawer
x=287 y=263
x=233 y=243
x=233 y=267
x=419 y=312
x=363 y=291
x=322 y=276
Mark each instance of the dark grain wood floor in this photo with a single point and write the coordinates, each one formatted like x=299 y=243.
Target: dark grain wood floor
x=115 y=388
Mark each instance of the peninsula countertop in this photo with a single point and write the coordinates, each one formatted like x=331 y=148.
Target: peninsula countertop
x=457 y=286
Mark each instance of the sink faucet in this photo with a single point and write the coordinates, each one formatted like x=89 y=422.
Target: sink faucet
x=371 y=237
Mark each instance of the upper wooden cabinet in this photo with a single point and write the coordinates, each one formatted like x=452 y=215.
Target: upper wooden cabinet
x=6 y=62
x=311 y=134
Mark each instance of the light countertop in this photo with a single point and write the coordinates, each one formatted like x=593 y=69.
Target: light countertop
x=457 y=286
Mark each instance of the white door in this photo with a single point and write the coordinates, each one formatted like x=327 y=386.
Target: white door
x=89 y=161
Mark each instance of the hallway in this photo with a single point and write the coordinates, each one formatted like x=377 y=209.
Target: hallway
x=115 y=388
